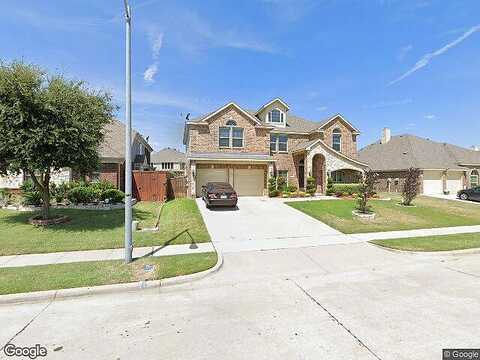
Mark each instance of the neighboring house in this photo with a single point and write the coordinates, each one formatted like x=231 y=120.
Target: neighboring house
x=245 y=148
x=444 y=167
x=112 y=159
x=168 y=159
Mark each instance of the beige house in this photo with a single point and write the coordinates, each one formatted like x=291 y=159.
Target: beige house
x=168 y=160
x=246 y=147
x=445 y=168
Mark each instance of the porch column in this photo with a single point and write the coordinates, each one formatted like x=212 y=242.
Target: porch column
x=308 y=167
x=192 y=178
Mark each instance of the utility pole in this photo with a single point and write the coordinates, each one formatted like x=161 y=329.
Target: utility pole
x=128 y=136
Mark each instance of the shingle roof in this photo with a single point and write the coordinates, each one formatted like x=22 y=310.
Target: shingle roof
x=405 y=151
x=167 y=155
x=113 y=145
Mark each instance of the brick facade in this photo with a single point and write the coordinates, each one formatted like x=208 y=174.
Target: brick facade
x=349 y=139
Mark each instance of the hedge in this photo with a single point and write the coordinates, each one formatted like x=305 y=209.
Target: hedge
x=349 y=189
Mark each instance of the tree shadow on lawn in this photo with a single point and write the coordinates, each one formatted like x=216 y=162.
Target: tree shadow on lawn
x=80 y=220
x=193 y=244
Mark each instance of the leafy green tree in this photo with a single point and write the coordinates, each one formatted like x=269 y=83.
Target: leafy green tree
x=366 y=190
x=411 y=186
x=48 y=123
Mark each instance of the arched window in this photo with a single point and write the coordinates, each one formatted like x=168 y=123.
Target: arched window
x=337 y=140
x=231 y=123
x=230 y=136
x=275 y=116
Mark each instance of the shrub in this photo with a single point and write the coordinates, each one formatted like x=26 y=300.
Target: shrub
x=291 y=188
x=82 y=195
x=411 y=186
x=281 y=183
x=272 y=186
x=366 y=191
x=31 y=196
x=311 y=185
x=273 y=193
x=347 y=188
x=113 y=196
x=5 y=196
x=102 y=185
x=330 y=187
x=59 y=192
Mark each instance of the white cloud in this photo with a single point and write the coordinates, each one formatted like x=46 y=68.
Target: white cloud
x=385 y=104
x=321 y=108
x=149 y=74
x=430 y=116
x=425 y=60
x=157 y=43
x=404 y=50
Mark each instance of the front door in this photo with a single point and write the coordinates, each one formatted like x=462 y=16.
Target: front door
x=318 y=171
x=301 y=174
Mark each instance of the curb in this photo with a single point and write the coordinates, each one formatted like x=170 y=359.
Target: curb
x=434 y=253
x=51 y=295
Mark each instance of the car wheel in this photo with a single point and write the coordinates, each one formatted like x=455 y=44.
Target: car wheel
x=464 y=196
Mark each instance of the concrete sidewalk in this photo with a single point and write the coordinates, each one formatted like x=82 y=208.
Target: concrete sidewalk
x=98 y=255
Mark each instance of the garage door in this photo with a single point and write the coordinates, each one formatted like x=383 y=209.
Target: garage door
x=210 y=175
x=454 y=182
x=248 y=182
x=432 y=182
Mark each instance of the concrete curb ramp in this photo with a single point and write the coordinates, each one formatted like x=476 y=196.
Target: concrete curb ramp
x=51 y=295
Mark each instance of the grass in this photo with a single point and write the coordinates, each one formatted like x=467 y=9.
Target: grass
x=433 y=243
x=180 y=223
x=70 y=275
x=427 y=213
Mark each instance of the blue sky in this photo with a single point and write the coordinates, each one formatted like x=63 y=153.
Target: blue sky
x=413 y=66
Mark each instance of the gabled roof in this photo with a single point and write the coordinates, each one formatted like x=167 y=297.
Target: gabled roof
x=325 y=122
x=405 y=151
x=167 y=155
x=113 y=145
x=205 y=118
x=271 y=102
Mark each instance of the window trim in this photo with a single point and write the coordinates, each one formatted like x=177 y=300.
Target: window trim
x=277 y=143
x=337 y=132
x=231 y=137
x=282 y=117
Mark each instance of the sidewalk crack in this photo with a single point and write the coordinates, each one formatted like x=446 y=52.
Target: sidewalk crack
x=350 y=332
x=31 y=321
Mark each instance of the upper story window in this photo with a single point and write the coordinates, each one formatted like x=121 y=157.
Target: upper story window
x=276 y=116
x=230 y=135
x=167 y=165
x=337 y=140
x=278 y=143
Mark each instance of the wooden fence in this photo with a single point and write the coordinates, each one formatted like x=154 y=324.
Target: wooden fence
x=150 y=185
x=177 y=187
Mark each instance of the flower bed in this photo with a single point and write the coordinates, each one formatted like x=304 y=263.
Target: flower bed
x=91 y=206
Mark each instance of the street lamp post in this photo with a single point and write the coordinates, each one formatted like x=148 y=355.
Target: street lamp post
x=128 y=136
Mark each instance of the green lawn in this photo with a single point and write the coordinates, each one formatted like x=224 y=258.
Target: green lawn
x=428 y=213
x=180 y=223
x=63 y=276
x=433 y=243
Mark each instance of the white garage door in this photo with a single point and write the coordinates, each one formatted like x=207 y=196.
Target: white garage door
x=432 y=182
x=210 y=175
x=454 y=182
x=248 y=182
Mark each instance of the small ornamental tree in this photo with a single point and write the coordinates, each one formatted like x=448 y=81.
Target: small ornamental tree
x=366 y=190
x=330 y=187
x=411 y=186
x=311 y=185
x=48 y=123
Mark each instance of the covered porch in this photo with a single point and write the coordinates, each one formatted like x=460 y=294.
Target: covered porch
x=321 y=162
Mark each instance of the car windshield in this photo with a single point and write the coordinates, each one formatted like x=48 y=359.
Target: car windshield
x=219 y=186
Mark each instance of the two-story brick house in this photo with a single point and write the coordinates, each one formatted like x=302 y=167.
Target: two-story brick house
x=245 y=148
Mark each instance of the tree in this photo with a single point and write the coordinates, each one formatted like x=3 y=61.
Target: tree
x=330 y=186
x=366 y=190
x=48 y=123
x=411 y=186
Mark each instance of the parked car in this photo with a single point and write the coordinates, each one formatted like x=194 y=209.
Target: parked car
x=470 y=194
x=219 y=194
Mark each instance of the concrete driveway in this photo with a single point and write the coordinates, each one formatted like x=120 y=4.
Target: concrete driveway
x=261 y=223
x=329 y=302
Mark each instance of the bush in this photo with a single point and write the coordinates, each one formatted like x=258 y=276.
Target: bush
x=281 y=183
x=272 y=185
x=273 y=193
x=411 y=186
x=291 y=188
x=83 y=195
x=311 y=185
x=59 y=192
x=113 y=196
x=102 y=185
x=366 y=191
x=31 y=196
x=346 y=188
x=330 y=187
x=5 y=196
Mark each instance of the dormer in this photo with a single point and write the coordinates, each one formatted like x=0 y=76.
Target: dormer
x=274 y=113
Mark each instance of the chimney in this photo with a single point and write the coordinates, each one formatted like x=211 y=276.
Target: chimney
x=386 y=135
